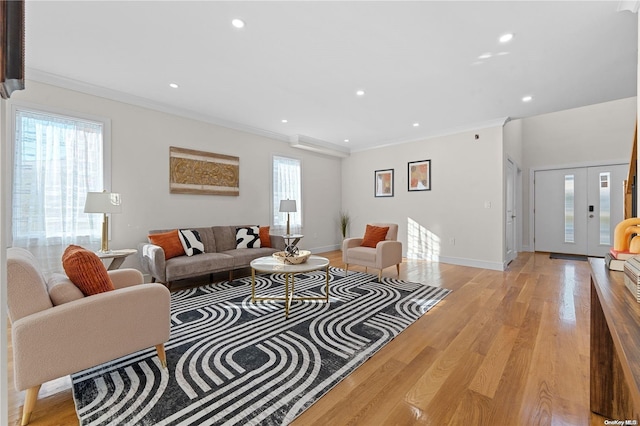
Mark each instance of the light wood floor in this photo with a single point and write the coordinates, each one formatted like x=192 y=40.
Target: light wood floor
x=504 y=348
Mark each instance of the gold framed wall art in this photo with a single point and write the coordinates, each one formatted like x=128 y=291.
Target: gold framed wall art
x=200 y=172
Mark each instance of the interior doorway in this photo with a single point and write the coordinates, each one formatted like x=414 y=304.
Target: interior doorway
x=511 y=210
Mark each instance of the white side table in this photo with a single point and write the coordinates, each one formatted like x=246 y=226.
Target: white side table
x=291 y=248
x=116 y=256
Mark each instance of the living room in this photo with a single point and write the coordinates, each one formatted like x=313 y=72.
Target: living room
x=460 y=221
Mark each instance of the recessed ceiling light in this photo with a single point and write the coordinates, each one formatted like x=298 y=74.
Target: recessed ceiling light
x=284 y=120
x=416 y=124
x=506 y=38
x=173 y=85
x=502 y=53
x=485 y=56
x=360 y=93
x=238 y=23
x=527 y=98
x=346 y=140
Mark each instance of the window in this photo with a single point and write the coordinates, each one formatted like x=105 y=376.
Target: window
x=286 y=186
x=605 y=208
x=569 y=209
x=56 y=161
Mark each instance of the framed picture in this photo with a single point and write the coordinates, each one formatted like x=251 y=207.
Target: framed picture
x=383 y=183
x=200 y=172
x=419 y=175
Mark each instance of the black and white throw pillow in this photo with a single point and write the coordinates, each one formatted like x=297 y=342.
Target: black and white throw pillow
x=191 y=241
x=248 y=237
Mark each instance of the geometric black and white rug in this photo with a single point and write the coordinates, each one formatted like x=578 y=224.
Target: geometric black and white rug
x=232 y=362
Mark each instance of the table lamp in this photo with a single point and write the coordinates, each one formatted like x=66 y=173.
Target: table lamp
x=105 y=203
x=288 y=206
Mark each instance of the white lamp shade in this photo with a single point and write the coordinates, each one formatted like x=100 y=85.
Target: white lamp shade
x=103 y=202
x=287 y=206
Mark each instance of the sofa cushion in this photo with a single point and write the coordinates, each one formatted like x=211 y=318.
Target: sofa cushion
x=206 y=236
x=225 y=237
x=170 y=243
x=85 y=269
x=248 y=237
x=265 y=238
x=193 y=266
x=191 y=242
x=62 y=290
x=373 y=235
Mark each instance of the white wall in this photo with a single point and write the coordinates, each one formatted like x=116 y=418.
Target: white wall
x=140 y=144
x=513 y=141
x=588 y=135
x=449 y=223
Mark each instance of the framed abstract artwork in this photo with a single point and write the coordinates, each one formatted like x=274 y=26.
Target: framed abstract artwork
x=383 y=183
x=419 y=178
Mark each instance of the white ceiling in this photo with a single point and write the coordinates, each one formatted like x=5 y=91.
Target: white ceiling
x=303 y=61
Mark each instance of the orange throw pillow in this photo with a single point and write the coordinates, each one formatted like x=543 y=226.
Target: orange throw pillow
x=373 y=235
x=265 y=238
x=170 y=243
x=85 y=269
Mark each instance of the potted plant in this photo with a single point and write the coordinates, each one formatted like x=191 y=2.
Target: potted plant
x=344 y=223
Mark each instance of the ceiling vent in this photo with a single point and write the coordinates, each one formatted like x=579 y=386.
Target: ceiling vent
x=317 y=145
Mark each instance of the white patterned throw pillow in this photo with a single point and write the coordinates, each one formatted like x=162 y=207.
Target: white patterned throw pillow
x=191 y=241
x=248 y=237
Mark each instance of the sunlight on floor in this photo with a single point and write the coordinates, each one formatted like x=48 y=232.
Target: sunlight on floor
x=422 y=243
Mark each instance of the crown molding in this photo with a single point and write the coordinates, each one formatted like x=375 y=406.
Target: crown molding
x=628 y=5
x=115 y=95
x=496 y=122
x=297 y=141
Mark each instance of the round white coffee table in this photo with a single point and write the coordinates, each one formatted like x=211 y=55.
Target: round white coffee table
x=271 y=265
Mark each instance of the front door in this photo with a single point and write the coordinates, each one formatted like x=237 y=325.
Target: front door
x=577 y=209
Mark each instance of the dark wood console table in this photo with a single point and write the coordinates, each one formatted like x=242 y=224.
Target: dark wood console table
x=615 y=346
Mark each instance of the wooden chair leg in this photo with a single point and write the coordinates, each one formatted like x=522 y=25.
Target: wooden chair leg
x=162 y=355
x=346 y=269
x=231 y=275
x=380 y=276
x=29 y=403
x=398 y=268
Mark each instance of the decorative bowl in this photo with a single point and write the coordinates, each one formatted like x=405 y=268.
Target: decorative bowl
x=301 y=257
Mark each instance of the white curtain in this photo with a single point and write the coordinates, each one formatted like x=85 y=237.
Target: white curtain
x=57 y=160
x=286 y=186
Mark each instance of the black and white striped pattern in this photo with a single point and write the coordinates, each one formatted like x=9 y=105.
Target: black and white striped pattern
x=232 y=362
x=191 y=242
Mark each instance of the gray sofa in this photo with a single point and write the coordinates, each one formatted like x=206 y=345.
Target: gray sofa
x=220 y=255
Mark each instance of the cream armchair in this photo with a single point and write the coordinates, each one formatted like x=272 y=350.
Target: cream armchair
x=56 y=331
x=386 y=253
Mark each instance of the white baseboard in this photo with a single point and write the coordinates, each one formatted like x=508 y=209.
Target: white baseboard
x=473 y=263
x=324 y=249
